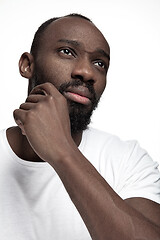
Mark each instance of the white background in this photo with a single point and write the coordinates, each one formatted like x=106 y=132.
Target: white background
x=130 y=105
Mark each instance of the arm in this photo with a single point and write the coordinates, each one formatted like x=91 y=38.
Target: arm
x=105 y=214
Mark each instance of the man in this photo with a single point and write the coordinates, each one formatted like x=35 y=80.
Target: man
x=60 y=180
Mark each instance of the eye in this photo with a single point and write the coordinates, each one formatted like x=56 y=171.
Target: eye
x=66 y=52
x=100 y=64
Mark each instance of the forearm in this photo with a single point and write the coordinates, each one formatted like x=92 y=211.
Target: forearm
x=105 y=214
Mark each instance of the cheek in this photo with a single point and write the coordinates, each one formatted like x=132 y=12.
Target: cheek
x=55 y=72
x=100 y=87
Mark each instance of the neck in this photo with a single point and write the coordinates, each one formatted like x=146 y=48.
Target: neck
x=22 y=148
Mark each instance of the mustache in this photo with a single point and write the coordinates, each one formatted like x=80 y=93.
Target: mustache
x=76 y=83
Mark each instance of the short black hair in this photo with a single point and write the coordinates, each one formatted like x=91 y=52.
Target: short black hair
x=42 y=28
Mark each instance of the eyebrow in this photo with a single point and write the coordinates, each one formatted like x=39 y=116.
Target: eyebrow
x=76 y=44
x=103 y=53
x=72 y=42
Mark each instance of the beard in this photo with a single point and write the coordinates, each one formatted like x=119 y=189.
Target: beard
x=79 y=114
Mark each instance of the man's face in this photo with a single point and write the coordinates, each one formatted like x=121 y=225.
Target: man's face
x=73 y=56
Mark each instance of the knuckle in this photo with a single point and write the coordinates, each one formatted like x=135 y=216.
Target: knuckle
x=30 y=116
x=21 y=106
x=15 y=113
x=38 y=107
x=49 y=84
x=49 y=98
x=28 y=98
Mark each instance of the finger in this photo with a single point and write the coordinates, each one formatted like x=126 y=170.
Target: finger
x=47 y=89
x=19 y=116
x=34 y=98
x=27 y=106
x=38 y=90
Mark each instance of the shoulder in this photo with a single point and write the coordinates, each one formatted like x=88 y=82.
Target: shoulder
x=110 y=142
x=120 y=152
x=110 y=151
x=125 y=165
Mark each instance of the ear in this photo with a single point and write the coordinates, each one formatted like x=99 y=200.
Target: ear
x=26 y=65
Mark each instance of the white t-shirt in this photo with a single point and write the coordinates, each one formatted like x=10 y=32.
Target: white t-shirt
x=34 y=204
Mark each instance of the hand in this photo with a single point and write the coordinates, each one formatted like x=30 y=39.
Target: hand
x=44 y=119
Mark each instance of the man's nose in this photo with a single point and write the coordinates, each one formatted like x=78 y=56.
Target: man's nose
x=84 y=71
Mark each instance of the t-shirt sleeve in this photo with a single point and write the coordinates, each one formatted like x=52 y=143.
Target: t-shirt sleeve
x=140 y=176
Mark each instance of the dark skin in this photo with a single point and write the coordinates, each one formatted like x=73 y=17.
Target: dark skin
x=44 y=119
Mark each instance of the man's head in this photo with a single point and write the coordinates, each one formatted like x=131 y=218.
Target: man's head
x=72 y=54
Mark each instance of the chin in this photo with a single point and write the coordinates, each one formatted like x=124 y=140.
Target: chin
x=80 y=116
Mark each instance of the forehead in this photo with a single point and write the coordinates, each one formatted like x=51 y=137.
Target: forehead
x=76 y=29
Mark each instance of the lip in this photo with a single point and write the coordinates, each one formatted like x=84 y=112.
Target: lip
x=78 y=94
